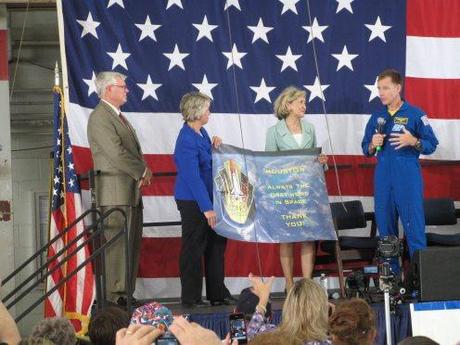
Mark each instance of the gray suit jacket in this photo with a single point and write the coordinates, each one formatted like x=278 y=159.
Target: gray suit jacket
x=117 y=154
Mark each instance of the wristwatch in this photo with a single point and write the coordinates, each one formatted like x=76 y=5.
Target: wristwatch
x=418 y=145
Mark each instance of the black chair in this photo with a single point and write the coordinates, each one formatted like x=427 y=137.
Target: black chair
x=352 y=249
x=440 y=212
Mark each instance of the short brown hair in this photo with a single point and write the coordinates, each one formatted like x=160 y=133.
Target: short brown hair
x=393 y=74
x=352 y=322
x=105 y=323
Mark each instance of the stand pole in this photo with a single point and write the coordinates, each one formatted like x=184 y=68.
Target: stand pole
x=386 y=294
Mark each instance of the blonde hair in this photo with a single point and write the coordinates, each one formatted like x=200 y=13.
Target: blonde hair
x=287 y=96
x=305 y=312
x=193 y=105
x=273 y=338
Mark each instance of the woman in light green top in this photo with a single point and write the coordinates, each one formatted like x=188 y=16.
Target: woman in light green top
x=293 y=133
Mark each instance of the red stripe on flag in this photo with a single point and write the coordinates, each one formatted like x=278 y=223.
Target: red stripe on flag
x=240 y=258
x=3 y=54
x=356 y=175
x=437 y=97
x=433 y=18
x=160 y=163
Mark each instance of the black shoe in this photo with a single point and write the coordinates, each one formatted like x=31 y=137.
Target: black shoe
x=196 y=304
x=123 y=302
x=229 y=300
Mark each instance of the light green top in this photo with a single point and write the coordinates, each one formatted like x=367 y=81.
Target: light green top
x=279 y=138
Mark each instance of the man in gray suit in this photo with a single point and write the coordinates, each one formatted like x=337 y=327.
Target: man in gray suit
x=117 y=155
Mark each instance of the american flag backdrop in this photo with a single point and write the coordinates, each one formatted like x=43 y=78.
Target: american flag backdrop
x=73 y=299
x=243 y=53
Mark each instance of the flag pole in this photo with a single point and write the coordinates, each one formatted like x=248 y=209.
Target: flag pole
x=65 y=80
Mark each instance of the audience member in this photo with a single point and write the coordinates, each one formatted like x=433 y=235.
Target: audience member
x=9 y=332
x=138 y=335
x=418 y=340
x=193 y=334
x=36 y=341
x=352 y=323
x=58 y=329
x=105 y=323
x=304 y=315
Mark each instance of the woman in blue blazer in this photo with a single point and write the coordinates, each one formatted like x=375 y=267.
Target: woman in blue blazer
x=193 y=194
x=292 y=132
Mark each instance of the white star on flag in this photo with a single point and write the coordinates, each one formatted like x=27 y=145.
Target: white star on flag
x=205 y=87
x=118 y=2
x=262 y=91
x=260 y=31
x=55 y=192
x=176 y=58
x=235 y=3
x=91 y=85
x=148 y=29
x=345 y=59
x=149 y=88
x=344 y=5
x=69 y=150
x=315 y=31
x=289 y=59
x=119 y=58
x=316 y=90
x=373 y=89
x=378 y=30
x=174 y=2
x=289 y=5
x=70 y=166
x=56 y=179
x=89 y=26
x=204 y=29
x=71 y=182
x=234 y=57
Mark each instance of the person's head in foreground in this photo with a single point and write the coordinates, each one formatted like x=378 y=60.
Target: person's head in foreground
x=305 y=313
x=57 y=329
x=105 y=323
x=353 y=323
x=418 y=340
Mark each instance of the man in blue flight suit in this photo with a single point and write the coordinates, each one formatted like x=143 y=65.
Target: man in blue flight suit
x=397 y=143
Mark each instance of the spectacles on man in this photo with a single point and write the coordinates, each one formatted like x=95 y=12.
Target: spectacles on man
x=122 y=86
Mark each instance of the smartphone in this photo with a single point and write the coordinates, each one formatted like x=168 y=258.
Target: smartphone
x=238 y=328
x=167 y=339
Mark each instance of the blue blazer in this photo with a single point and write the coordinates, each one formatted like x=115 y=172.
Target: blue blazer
x=279 y=138
x=193 y=158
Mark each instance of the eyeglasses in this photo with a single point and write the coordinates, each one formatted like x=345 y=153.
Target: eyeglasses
x=122 y=86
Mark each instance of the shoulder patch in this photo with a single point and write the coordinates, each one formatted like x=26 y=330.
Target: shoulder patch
x=425 y=120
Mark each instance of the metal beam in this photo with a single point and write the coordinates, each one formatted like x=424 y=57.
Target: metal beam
x=24 y=2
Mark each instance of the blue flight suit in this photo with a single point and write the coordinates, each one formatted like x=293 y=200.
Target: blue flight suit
x=398 y=184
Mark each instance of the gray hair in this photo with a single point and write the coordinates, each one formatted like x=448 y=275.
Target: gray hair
x=107 y=78
x=288 y=95
x=193 y=105
x=35 y=341
x=58 y=329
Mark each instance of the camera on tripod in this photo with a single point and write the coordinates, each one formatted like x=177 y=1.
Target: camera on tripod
x=389 y=249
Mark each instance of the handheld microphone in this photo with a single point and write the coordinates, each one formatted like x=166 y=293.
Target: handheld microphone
x=380 y=124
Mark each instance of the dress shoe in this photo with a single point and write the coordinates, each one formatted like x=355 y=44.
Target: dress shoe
x=196 y=304
x=229 y=300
